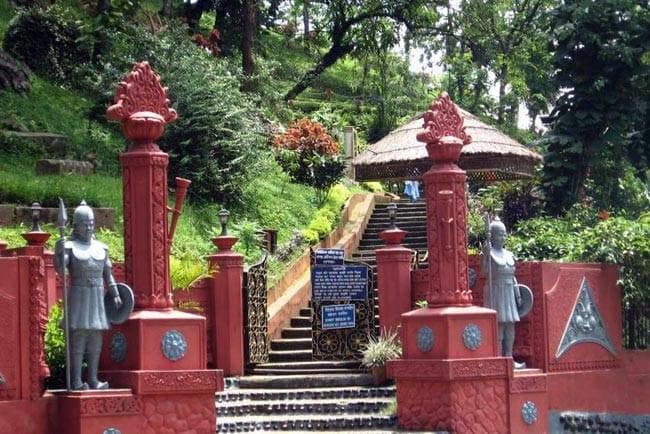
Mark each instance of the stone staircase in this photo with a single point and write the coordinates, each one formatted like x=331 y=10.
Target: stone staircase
x=293 y=393
x=410 y=217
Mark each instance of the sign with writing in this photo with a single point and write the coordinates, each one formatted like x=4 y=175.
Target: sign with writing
x=328 y=257
x=338 y=316
x=339 y=283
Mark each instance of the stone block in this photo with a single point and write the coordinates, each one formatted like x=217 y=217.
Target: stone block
x=54 y=144
x=49 y=166
x=104 y=217
x=7 y=213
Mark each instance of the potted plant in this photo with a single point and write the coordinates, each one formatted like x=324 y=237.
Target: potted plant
x=378 y=351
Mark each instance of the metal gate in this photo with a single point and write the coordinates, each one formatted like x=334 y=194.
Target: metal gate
x=256 y=339
x=345 y=344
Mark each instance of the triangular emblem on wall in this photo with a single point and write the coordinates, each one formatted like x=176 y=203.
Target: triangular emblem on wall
x=585 y=323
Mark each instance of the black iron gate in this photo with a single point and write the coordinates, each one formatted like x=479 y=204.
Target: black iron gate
x=256 y=340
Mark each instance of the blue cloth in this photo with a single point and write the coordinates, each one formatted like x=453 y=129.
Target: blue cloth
x=412 y=190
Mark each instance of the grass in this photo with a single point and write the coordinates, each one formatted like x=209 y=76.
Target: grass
x=7 y=11
x=20 y=185
x=54 y=109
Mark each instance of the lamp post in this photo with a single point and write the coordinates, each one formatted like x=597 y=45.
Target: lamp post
x=223 y=219
x=392 y=213
x=36 y=217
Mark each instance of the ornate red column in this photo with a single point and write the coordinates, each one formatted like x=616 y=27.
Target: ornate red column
x=393 y=278
x=450 y=377
x=159 y=354
x=142 y=107
x=227 y=306
x=446 y=200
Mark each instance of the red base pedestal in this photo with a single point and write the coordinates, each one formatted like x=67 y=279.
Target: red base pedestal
x=139 y=343
x=456 y=333
x=29 y=417
x=173 y=402
x=466 y=396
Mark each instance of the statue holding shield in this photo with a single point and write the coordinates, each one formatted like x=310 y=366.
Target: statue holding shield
x=502 y=293
x=87 y=309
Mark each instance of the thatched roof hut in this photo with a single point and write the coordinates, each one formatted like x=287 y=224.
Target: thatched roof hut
x=491 y=155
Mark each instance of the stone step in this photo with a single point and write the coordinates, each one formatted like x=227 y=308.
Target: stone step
x=291 y=344
x=290 y=356
x=411 y=218
x=261 y=394
x=372 y=245
x=306 y=371
x=303 y=406
x=336 y=423
x=304 y=381
x=301 y=321
x=311 y=364
x=296 y=332
x=376 y=227
x=305 y=311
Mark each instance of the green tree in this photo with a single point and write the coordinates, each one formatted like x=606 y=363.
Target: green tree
x=602 y=61
x=505 y=37
x=344 y=21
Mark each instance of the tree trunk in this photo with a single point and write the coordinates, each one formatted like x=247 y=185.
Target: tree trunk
x=502 y=93
x=336 y=52
x=166 y=10
x=247 y=40
x=305 y=19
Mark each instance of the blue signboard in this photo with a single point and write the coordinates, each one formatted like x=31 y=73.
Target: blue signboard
x=328 y=257
x=338 y=316
x=339 y=283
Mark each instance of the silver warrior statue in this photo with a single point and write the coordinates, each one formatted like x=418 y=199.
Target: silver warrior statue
x=89 y=266
x=501 y=292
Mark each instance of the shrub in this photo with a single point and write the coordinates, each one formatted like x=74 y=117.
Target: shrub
x=626 y=243
x=309 y=155
x=46 y=40
x=55 y=347
x=381 y=349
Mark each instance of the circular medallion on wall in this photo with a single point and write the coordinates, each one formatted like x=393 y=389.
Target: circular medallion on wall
x=425 y=339
x=112 y=431
x=472 y=337
x=118 y=347
x=529 y=412
x=174 y=345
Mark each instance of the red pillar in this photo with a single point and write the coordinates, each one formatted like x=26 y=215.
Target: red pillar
x=447 y=225
x=146 y=254
x=227 y=306
x=449 y=372
x=393 y=278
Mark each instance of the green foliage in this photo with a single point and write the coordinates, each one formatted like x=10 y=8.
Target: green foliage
x=55 y=346
x=185 y=271
x=47 y=41
x=21 y=185
x=249 y=233
x=381 y=349
x=624 y=242
x=53 y=109
x=544 y=238
x=309 y=155
x=599 y=58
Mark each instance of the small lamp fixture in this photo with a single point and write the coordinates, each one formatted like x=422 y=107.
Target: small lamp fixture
x=36 y=217
x=223 y=218
x=392 y=212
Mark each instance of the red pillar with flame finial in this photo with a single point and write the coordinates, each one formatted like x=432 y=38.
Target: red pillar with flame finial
x=450 y=371
x=159 y=353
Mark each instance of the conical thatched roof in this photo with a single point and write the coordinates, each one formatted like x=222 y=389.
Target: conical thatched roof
x=490 y=155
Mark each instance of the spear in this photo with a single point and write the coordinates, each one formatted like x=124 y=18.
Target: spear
x=488 y=258
x=62 y=220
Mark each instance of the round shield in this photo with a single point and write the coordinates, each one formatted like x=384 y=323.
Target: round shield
x=115 y=315
x=526 y=300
